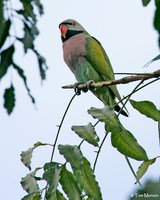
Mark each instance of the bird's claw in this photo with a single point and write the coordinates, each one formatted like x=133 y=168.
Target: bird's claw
x=88 y=85
x=85 y=89
x=76 y=89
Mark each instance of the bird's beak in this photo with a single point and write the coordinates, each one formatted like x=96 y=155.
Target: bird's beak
x=63 y=30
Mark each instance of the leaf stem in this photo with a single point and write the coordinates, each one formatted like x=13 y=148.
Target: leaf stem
x=131 y=168
x=57 y=135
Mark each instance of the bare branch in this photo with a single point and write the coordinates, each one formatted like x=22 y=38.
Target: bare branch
x=123 y=80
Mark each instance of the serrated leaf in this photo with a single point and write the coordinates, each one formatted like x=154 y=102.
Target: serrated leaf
x=143 y=168
x=27 y=155
x=88 y=181
x=6 y=60
x=72 y=154
x=106 y=115
x=52 y=175
x=145 y=2
x=4 y=32
x=29 y=183
x=146 y=108
x=126 y=143
x=87 y=132
x=21 y=74
x=69 y=184
x=9 y=99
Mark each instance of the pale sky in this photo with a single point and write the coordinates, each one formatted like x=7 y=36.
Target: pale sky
x=125 y=30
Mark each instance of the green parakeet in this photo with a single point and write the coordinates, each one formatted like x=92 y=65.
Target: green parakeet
x=88 y=60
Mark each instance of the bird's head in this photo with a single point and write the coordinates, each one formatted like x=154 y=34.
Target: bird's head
x=70 y=28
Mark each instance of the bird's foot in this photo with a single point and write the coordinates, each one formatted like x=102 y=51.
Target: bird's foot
x=76 y=89
x=88 y=85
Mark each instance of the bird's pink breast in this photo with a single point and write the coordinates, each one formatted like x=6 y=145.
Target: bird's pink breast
x=73 y=49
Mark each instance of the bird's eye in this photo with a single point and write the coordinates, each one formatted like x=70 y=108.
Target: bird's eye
x=73 y=23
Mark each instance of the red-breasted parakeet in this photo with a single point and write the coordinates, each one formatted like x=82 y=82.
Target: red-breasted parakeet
x=88 y=60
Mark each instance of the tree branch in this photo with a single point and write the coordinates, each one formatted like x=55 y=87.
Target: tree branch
x=123 y=80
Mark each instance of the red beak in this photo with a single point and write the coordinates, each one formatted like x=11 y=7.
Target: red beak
x=63 y=30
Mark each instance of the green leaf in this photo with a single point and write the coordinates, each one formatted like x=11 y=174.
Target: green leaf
x=9 y=99
x=72 y=154
x=106 y=115
x=29 y=183
x=6 y=60
x=28 y=9
x=159 y=132
x=32 y=196
x=145 y=2
x=52 y=175
x=87 y=180
x=88 y=133
x=39 y=6
x=69 y=184
x=50 y=165
x=36 y=197
x=125 y=143
x=27 y=155
x=5 y=31
x=60 y=195
x=143 y=168
x=21 y=74
x=28 y=38
x=156 y=18
x=146 y=108
x=42 y=65
x=55 y=196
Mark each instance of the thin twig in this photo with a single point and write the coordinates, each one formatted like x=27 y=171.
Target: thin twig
x=124 y=80
x=57 y=135
x=130 y=96
x=137 y=90
x=100 y=147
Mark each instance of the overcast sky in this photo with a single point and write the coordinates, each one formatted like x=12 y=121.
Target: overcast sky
x=126 y=32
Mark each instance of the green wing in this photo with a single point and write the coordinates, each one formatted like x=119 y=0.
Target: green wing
x=99 y=60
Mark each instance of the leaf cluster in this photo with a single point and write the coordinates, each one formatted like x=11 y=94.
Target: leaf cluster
x=79 y=182
x=30 y=9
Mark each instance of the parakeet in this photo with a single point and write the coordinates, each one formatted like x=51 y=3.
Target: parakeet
x=88 y=60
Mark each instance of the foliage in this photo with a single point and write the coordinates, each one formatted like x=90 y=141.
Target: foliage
x=9 y=39
x=75 y=175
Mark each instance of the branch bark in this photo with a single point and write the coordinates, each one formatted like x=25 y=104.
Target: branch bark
x=124 y=80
